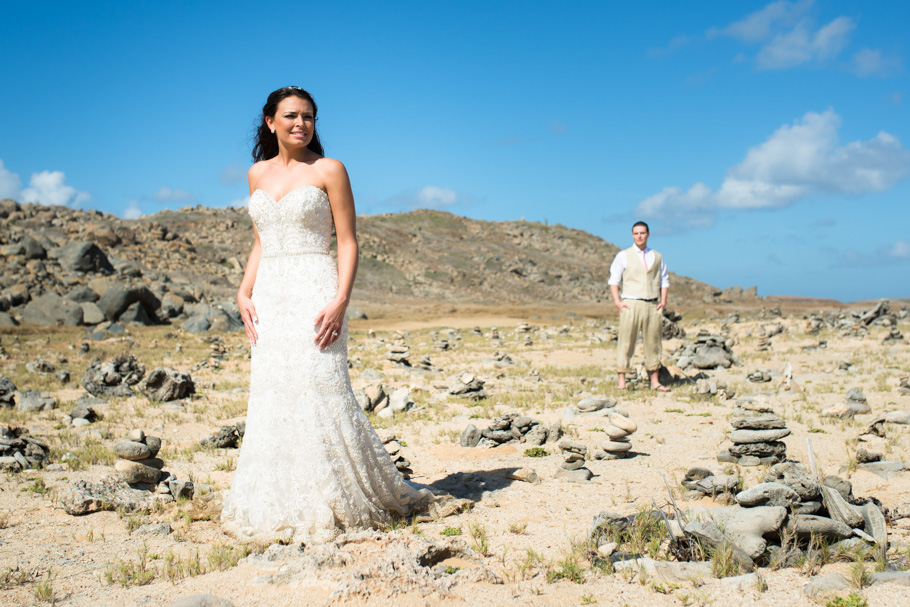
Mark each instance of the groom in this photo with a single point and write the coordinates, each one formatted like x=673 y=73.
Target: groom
x=644 y=279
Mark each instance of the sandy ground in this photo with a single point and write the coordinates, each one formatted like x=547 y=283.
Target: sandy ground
x=40 y=542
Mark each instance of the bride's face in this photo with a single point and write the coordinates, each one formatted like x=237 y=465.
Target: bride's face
x=294 y=122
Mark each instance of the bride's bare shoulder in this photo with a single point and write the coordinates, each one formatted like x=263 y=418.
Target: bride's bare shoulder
x=331 y=168
x=256 y=172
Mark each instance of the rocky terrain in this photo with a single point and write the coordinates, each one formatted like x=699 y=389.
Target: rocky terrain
x=73 y=267
x=774 y=473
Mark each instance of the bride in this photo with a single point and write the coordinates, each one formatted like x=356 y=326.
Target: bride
x=311 y=464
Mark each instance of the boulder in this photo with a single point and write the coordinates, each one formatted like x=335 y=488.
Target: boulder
x=117 y=298
x=7 y=392
x=51 y=309
x=166 y=384
x=471 y=436
x=132 y=472
x=131 y=450
x=83 y=257
x=740 y=437
x=32 y=400
x=797 y=478
x=768 y=494
x=746 y=527
x=806 y=525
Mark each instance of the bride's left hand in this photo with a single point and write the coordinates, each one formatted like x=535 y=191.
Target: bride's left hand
x=328 y=324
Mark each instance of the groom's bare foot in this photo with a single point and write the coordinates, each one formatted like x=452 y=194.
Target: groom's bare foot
x=660 y=388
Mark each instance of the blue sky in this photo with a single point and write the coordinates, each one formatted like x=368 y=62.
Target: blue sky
x=765 y=143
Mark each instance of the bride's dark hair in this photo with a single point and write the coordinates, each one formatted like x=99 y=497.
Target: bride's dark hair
x=266 y=145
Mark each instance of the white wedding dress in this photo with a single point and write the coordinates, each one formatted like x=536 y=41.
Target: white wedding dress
x=310 y=464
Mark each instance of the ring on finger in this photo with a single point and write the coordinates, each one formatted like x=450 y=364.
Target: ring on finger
x=334 y=333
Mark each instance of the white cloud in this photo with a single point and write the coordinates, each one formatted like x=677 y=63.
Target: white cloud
x=788 y=35
x=763 y=24
x=132 y=210
x=173 y=195
x=10 y=184
x=49 y=187
x=900 y=250
x=870 y=62
x=240 y=203
x=795 y=161
x=433 y=197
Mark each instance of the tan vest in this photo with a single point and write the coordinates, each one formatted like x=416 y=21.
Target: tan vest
x=638 y=283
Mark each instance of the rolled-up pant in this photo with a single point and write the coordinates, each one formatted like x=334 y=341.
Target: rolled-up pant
x=640 y=317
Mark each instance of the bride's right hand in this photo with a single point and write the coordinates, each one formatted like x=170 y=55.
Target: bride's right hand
x=250 y=319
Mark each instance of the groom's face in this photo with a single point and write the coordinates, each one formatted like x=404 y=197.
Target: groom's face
x=640 y=236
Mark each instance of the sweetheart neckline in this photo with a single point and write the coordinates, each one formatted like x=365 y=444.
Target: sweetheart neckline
x=300 y=187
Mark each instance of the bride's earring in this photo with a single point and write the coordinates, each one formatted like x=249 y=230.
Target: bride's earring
x=273 y=131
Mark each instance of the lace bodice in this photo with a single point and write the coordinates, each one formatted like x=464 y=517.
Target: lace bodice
x=299 y=223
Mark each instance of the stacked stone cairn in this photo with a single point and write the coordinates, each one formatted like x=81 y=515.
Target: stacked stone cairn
x=904 y=387
x=759 y=376
x=467 y=385
x=710 y=387
x=755 y=436
x=139 y=467
x=619 y=445
x=855 y=403
x=399 y=354
x=573 y=467
x=393 y=447
x=708 y=352
x=894 y=337
x=509 y=428
x=669 y=329
x=19 y=450
x=113 y=379
x=764 y=344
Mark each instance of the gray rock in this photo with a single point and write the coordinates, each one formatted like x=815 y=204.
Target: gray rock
x=697 y=473
x=760 y=422
x=471 y=436
x=536 y=436
x=711 y=357
x=898 y=417
x=573 y=465
x=154 y=444
x=712 y=485
x=7 y=321
x=838 y=508
x=570 y=445
x=7 y=392
x=581 y=475
x=166 y=384
x=807 y=507
x=32 y=400
x=826 y=583
x=768 y=494
x=32 y=248
x=132 y=472
x=592 y=404
x=740 y=437
x=554 y=432
x=202 y=600
x=51 y=309
x=667 y=571
x=875 y=525
x=901 y=578
x=84 y=412
x=746 y=527
x=806 y=525
x=886 y=470
x=83 y=257
x=772 y=449
x=131 y=450
x=226 y=438
x=528 y=475
x=91 y=314
x=179 y=489
x=10 y=464
x=499 y=436
x=794 y=476
x=711 y=536
x=82 y=294
x=363 y=401
x=725 y=457
x=84 y=497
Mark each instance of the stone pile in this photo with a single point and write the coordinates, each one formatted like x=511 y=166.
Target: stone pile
x=393 y=447
x=523 y=327
x=756 y=438
x=425 y=364
x=855 y=403
x=33 y=400
x=7 y=392
x=592 y=406
x=228 y=437
x=707 y=352
x=165 y=384
x=894 y=336
x=372 y=398
x=701 y=482
x=467 y=385
x=769 y=331
x=763 y=345
x=904 y=387
x=20 y=451
x=81 y=415
x=758 y=376
x=619 y=445
x=669 y=329
x=573 y=467
x=137 y=461
x=114 y=378
x=499 y=360
x=508 y=428
x=708 y=387
x=399 y=354
x=476 y=332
